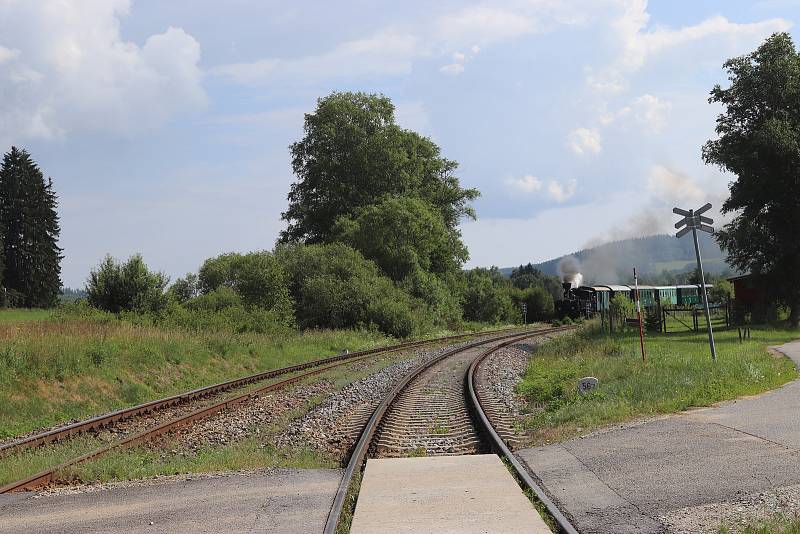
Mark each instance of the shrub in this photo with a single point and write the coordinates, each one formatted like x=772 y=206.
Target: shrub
x=440 y=295
x=258 y=278
x=128 y=286
x=184 y=289
x=487 y=297
x=334 y=286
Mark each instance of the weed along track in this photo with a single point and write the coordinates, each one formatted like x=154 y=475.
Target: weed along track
x=144 y=422
x=441 y=408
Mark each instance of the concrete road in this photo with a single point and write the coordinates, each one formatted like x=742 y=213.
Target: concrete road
x=626 y=479
x=285 y=501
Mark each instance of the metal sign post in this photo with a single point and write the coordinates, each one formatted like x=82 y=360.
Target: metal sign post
x=639 y=313
x=525 y=314
x=694 y=221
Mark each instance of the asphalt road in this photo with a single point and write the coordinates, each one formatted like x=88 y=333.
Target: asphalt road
x=626 y=479
x=285 y=501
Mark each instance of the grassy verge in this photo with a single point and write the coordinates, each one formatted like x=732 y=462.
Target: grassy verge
x=250 y=452
x=677 y=375
x=54 y=368
x=23 y=315
x=781 y=524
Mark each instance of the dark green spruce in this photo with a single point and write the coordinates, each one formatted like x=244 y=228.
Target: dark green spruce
x=31 y=258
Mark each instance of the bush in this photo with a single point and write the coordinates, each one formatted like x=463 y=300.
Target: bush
x=258 y=278
x=334 y=286
x=538 y=300
x=487 y=297
x=441 y=296
x=184 y=289
x=129 y=286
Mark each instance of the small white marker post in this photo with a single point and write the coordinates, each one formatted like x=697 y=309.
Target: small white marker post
x=694 y=221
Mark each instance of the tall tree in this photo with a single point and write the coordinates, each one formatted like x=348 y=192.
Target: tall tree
x=29 y=218
x=352 y=155
x=759 y=142
x=403 y=235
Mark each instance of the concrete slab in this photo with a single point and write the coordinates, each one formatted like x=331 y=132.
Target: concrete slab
x=284 y=501
x=443 y=494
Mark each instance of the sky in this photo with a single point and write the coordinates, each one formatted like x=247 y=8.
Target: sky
x=165 y=125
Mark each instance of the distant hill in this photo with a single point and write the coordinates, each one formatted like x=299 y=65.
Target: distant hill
x=655 y=258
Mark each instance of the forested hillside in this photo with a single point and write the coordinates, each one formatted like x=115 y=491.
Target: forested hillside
x=658 y=259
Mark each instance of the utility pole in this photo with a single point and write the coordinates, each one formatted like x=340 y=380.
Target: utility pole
x=694 y=221
x=639 y=313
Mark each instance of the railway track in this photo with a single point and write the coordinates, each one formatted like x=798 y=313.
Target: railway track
x=442 y=408
x=293 y=373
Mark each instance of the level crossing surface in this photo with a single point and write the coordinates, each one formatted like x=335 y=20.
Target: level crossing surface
x=443 y=494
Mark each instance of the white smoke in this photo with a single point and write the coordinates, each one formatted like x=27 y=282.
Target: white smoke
x=569 y=269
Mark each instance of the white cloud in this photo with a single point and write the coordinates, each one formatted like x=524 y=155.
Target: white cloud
x=585 y=140
x=553 y=189
x=69 y=69
x=392 y=50
x=651 y=112
x=526 y=184
x=635 y=45
x=383 y=53
x=561 y=192
x=483 y=25
x=453 y=69
x=7 y=54
x=648 y=111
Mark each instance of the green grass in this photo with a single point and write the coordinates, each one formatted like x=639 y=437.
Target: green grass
x=247 y=453
x=780 y=524
x=55 y=366
x=21 y=315
x=142 y=462
x=55 y=370
x=677 y=375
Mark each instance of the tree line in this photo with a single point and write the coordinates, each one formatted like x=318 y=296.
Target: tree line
x=30 y=258
x=372 y=241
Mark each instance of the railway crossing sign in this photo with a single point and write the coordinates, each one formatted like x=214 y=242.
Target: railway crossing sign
x=693 y=220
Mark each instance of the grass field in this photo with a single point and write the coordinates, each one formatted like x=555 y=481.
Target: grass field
x=780 y=524
x=17 y=316
x=677 y=375
x=256 y=450
x=54 y=367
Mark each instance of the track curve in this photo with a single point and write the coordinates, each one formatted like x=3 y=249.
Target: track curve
x=416 y=413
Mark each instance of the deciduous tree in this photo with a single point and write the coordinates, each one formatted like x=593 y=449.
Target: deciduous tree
x=759 y=143
x=352 y=155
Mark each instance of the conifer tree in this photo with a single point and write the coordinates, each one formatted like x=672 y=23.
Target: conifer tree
x=30 y=255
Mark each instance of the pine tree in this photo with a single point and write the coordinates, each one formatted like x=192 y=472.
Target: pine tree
x=28 y=215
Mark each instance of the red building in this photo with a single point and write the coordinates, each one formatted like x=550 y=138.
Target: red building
x=746 y=291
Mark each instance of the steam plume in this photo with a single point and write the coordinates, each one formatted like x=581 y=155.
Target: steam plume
x=569 y=269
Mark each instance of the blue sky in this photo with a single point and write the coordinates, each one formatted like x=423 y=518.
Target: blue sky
x=165 y=125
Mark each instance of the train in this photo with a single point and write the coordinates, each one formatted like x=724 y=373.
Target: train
x=585 y=301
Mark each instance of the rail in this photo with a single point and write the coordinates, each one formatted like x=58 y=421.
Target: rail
x=500 y=447
x=361 y=448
